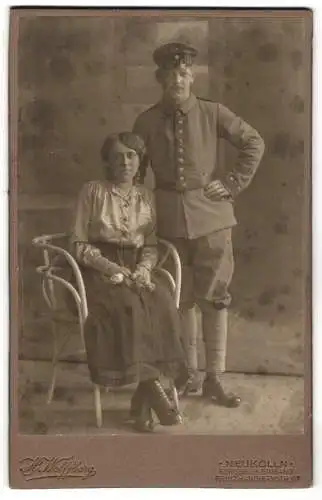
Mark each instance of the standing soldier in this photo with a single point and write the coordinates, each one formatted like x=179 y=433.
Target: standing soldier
x=194 y=208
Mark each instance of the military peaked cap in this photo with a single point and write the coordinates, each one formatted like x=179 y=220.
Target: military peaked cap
x=174 y=54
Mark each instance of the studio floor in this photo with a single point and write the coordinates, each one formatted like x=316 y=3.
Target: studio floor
x=270 y=405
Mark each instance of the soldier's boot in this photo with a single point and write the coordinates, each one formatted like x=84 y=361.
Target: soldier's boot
x=192 y=384
x=215 y=325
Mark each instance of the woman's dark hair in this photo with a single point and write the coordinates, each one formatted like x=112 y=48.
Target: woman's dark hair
x=132 y=141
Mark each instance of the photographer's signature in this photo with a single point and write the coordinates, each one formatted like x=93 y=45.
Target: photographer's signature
x=34 y=468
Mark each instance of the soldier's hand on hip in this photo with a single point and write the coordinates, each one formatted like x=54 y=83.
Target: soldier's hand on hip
x=216 y=191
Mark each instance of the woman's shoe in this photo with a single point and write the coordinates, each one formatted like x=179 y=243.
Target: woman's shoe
x=143 y=422
x=161 y=404
x=140 y=412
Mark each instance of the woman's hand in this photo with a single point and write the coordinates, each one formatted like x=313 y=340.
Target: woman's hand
x=114 y=268
x=117 y=274
x=142 y=277
x=216 y=191
x=125 y=271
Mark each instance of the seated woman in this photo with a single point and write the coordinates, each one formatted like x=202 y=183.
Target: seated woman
x=132 y=333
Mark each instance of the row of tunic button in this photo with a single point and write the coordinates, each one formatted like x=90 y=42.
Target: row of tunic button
x=180 y=148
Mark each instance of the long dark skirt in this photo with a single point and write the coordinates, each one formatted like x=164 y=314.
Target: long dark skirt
x=130 y=334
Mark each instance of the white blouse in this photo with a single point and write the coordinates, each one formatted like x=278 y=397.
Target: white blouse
x=105 y=214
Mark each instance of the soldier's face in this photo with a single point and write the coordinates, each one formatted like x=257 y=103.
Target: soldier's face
x=176 y=83
x=124 y=163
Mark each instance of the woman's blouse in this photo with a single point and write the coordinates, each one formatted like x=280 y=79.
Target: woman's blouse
x=105 y=214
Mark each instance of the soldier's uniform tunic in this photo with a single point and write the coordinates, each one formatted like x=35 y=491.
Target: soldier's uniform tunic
x=182 y=148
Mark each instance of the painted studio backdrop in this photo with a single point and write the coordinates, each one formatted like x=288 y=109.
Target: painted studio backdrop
x=81 y=78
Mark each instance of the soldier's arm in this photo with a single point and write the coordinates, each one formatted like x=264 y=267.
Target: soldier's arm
x=140 y=128
x=249 y=144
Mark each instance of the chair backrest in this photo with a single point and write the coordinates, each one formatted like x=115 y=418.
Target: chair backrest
x=57 y=259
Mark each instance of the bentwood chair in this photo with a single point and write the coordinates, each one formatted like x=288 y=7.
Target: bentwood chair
x=53 y=280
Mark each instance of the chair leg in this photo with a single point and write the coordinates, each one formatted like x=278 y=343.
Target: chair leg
x=174 y=394
x=83 y=348
x=51 y=389
x=98 y=405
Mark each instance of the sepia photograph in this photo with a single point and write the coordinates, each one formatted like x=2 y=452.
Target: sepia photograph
x=161 y=180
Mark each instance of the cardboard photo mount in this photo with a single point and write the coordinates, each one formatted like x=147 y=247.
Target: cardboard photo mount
x=160 y=460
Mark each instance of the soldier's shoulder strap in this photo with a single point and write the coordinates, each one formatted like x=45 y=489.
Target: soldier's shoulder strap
x=152 y=107
x=203 y=99
x=149 y=110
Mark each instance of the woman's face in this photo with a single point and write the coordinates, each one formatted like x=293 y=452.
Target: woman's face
x=124 y=163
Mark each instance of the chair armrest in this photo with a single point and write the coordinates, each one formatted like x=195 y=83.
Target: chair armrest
x=173 y=253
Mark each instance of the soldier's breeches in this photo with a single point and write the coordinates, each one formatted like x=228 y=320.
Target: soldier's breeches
x=207 y=269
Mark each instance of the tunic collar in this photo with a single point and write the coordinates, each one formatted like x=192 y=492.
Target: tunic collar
x=168 y=107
